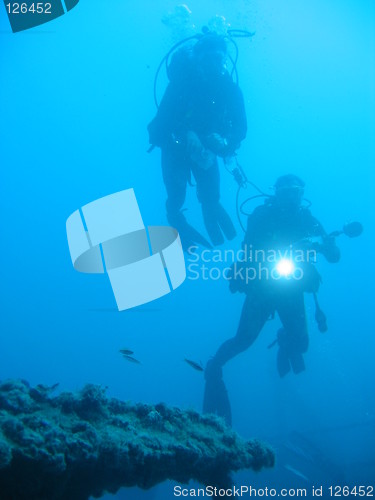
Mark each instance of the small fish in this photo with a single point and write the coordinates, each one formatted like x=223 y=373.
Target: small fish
x=295 y=472
x=131 y=359
x=195 y=365
x=127 y=352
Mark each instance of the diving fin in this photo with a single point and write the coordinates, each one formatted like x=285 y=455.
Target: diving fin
x=213 y=228
x=287 y=356
x=225 y=223
x=217 y=222
x=216 y=398
x=283 y=362
x=320 y=317
x=191 y=236
x=297 y=362
x=188 y=235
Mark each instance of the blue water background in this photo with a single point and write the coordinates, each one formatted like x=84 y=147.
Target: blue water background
x=76 y=95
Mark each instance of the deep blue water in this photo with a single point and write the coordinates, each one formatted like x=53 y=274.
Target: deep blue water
x=75 y=97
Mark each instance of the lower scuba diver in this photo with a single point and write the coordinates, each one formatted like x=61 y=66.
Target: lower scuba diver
x=283 y=226
x=201 y=117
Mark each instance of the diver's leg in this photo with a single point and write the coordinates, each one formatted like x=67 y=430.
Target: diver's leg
x=215 y=217
x=293 y=337
x=253 y=317
x=176 y=174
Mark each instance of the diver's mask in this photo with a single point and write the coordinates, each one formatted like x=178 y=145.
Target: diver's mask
x=212 y=63
x=289 y=196
x=210 y=53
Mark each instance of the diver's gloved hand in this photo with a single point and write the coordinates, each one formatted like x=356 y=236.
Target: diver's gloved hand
x=328 y=248
x=203 y=157
x=308 y=246
x=218 y=144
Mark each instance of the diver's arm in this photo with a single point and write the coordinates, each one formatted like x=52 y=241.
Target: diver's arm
x=235 y=124
x=328 y=246
x=161 y=128
x=238 y=121
x=256 y=228
x=169 y=125
x=329 y=249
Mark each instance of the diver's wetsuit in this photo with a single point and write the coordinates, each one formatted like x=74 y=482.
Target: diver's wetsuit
x=270 y=228
x=204 y=106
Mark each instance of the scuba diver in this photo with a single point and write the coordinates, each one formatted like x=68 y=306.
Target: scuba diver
x=281 y=227
x=201 y=117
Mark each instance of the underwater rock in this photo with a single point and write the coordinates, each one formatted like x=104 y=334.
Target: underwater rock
x=74 y=446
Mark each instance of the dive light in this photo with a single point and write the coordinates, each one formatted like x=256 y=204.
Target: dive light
x=285 y=267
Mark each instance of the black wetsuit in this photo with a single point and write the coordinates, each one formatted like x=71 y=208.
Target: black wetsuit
x=271 y=228
x=204 y=106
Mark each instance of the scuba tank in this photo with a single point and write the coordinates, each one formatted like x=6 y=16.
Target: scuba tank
x=230 y=36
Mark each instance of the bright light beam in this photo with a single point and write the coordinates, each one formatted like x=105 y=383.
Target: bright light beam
x=285 y=267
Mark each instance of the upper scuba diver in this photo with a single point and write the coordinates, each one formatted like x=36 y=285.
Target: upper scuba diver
x=283 y=226
x=201 y=117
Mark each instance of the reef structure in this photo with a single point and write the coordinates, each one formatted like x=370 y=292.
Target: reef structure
x=76 y=445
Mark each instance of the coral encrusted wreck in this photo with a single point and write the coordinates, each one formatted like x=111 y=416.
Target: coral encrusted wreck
x=76 y=445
